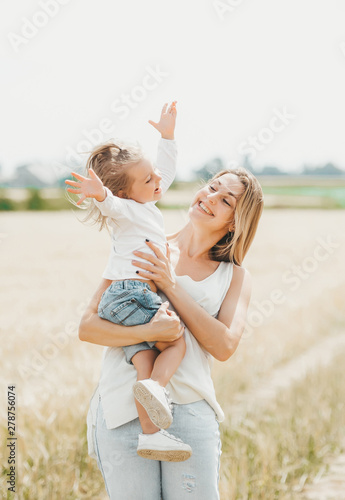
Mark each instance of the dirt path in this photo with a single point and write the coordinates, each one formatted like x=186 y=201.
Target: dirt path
x=329 y=484
x=267 y=390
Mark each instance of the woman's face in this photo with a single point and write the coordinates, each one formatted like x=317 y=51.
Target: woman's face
x=214 y=204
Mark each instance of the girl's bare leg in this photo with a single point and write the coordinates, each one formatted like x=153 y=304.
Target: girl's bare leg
x=168 y=360
x=143 y=362
x=159 y=366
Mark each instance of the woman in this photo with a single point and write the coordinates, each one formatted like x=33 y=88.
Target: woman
x=204 y=282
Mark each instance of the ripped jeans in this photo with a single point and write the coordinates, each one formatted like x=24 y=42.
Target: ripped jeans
x=128 y=476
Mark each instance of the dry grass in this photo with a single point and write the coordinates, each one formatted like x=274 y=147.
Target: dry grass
x=50 y=266
x=273 y=454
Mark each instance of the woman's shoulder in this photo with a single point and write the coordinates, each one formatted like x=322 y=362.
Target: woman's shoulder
x=241 y=278
x=240 y=287
x=241 y=271
x=242 y=274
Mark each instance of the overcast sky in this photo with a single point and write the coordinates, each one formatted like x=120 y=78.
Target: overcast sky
x=264 y=78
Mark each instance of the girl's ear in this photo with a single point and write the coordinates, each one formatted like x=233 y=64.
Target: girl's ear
x=121 y=194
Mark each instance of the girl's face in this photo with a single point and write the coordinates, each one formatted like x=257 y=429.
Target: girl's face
x=214 y=205
x=146 y=182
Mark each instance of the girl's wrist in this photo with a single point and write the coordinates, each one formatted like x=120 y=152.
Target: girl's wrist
x=101 y=196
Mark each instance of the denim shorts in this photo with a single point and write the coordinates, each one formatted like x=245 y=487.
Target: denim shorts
x=130 y=303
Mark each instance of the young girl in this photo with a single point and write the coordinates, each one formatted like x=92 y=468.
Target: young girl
x=125 y=187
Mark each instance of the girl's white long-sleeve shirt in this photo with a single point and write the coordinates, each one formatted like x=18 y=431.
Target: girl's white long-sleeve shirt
x=132 y=222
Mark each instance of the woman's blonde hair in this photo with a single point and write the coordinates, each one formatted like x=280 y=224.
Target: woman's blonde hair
x=234 y=245
x=111 y=162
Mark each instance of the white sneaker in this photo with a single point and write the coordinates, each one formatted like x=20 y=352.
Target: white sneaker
x=163 y=446
x=155 y=400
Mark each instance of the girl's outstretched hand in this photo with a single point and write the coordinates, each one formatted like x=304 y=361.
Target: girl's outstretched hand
x=166 y=124
x=158 y=268
x=87 y=187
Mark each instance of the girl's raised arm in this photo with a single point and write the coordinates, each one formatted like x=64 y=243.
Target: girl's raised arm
x=165 y=326
x=167 y=150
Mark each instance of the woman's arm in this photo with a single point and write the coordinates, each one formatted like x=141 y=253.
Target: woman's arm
x=165 y=326
x=221 y=336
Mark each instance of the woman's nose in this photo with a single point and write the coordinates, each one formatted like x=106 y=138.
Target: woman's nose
x=212 y=198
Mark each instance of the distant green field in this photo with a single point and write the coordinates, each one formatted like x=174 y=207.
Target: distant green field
x=279 y=191
x=335 y=194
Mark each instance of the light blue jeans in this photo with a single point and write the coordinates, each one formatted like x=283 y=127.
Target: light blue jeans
x=130 y=302
x=130 y=477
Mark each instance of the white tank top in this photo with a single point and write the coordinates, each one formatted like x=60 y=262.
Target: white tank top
x=192 y=380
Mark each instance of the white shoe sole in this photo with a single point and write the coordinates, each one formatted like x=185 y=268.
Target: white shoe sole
x=165 y=455
x=155 y=409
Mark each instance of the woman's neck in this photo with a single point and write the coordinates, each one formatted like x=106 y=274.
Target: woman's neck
x=195 y=242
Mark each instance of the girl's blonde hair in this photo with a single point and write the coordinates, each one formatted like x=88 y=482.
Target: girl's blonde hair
x=234 y=245
x=111 y=162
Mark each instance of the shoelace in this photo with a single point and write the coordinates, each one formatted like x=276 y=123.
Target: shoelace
x=168 y=398
x=165 y=433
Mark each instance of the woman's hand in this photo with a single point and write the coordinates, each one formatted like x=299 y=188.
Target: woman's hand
x=166 y=124
x=165 y=326
x=158 y=268
x=87 y=187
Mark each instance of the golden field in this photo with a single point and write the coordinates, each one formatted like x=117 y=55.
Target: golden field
x=50 y=266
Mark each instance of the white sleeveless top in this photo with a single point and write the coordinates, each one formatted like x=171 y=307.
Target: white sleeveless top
x=192 y=381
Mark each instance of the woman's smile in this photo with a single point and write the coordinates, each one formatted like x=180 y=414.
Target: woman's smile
x=205 y=209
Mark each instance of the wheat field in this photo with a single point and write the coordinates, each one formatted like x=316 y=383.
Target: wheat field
x=50 y=266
